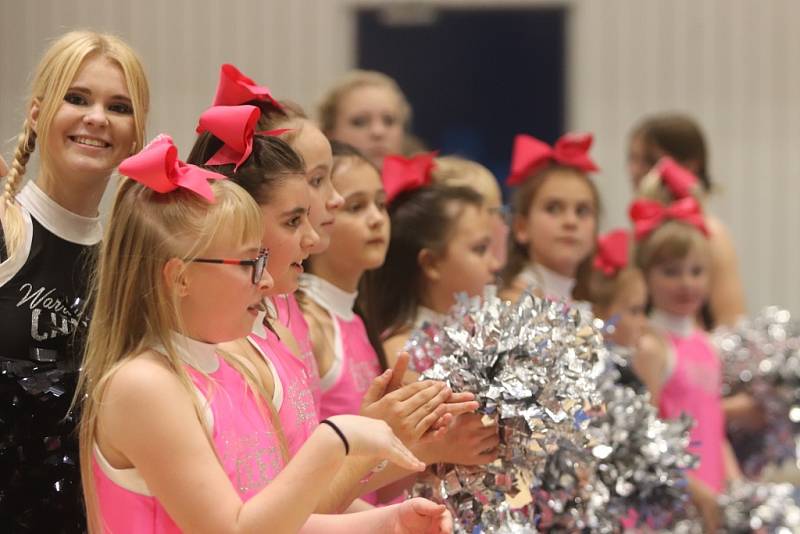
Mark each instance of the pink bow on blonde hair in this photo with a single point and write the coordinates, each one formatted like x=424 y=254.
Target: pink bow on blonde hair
x=235 y=88
x=647 y=215
x=530 y=155
x=678 y=179
x=235 y=126
x=401 y=174
x=612 y=252
x=157 y=166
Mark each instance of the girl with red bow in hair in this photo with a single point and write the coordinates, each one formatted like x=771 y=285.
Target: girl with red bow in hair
x=678 y=136
x=456 y=171
x=181 y=270
x=674 y=255
x=440 y=246
x=619 y=297
x=555 y=211
x=348 y=355
x=273 y=174
x=287 y=121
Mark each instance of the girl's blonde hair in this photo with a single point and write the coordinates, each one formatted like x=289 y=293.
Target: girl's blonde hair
x=134 y=310
x=673 y=240
x=52 y=79
x=652 y=187
x=458 y=171
x=328 y=108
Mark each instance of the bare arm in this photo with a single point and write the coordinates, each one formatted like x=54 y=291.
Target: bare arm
x=732 y=470
x=415 y=516
x=650 y=364
x=727 y=293
x=174 y=456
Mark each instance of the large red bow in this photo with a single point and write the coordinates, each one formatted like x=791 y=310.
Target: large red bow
x=158 y=167
x=405 y=174
x=647 y=215
x=235 y=126
x=235 y=88
x=612 y=252
x=680 y=180
x=530 y=155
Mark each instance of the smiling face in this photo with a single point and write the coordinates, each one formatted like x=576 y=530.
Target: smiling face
x=93 y=130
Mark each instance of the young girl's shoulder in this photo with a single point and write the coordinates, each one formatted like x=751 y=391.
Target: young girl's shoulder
x=142 y=375
x=141 y=386
x=653 y=345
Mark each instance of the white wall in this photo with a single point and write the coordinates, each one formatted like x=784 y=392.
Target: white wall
x=731 y=63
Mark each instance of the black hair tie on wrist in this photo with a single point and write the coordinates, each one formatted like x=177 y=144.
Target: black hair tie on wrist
x=340 y=433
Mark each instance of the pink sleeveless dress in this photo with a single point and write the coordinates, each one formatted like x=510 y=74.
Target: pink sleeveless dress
x=297 y=411
x=290 y=315
x=245 y=443
x=355 y=363
x=694 y=387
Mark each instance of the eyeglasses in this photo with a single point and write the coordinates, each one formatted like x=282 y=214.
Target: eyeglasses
x=258 y=264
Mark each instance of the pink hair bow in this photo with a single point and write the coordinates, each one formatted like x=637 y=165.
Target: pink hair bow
x=647 y=215
x=406 y=174
x=530 y=155
x=680 y=180
x=235 y=126
x=612 y=252
x=235 y=88
x=157 y=166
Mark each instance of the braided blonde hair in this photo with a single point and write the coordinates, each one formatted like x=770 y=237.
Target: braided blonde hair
x=54 y=74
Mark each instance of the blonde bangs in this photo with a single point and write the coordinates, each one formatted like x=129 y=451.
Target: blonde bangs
x=236 y=218
x=673 y=240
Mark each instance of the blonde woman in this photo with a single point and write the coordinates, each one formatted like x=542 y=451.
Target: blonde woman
x=368 y=110
x=86 y=113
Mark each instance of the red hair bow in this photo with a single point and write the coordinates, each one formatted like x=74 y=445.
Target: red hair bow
x=680 y=180
x=235 y=126
x=406 y=174
x=157 y=166
x=612 y=252
x=530 y=155
x=647 y=215
x=235 y=88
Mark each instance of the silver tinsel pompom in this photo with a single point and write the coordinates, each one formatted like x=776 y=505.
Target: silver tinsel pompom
x=761 y=357
x=538 y=368
x=760 y=508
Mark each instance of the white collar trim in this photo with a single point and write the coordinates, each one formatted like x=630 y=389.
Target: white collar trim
x=59 y=220
x=551 y=283
x=202 y=356
x=676 y=324
x=330 y=297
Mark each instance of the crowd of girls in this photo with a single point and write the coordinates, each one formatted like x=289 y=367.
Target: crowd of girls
x=225 y=353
